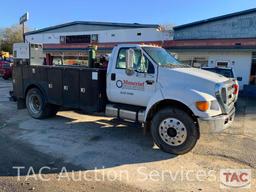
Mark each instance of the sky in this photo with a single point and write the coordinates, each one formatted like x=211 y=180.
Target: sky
x=45 y=13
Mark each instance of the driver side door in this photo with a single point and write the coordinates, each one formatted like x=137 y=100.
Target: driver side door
x=136 y=87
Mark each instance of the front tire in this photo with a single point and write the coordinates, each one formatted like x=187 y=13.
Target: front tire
x=174 y=131
x=37 y=106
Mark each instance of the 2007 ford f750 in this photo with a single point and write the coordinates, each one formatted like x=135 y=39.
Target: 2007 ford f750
x=142 y=83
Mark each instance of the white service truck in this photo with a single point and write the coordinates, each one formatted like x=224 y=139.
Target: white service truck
x=142 y=83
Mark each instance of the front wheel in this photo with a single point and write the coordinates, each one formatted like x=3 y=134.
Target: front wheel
x=174 y=131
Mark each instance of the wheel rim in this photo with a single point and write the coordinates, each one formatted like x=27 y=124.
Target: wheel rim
x=172 y=131
x=34 y=103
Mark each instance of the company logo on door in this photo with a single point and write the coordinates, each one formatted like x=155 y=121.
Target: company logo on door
x=132 y=85
x=235 y=178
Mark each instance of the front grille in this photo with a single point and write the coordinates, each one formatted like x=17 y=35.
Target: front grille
x=226 y=97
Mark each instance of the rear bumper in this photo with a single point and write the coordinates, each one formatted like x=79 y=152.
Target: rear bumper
x=216 y=124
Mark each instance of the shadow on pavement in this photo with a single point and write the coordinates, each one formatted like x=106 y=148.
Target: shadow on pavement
x=94 y=144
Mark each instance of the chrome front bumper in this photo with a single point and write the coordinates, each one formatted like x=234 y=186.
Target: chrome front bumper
x=216 y=124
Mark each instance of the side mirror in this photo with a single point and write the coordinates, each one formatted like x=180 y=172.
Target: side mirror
x=239 y=78
x=129 y=61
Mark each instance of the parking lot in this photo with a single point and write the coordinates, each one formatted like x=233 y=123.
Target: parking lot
x=118 y=154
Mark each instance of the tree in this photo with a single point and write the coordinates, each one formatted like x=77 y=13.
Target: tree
x=167 y=27
x=168 y=30
x=9 y=36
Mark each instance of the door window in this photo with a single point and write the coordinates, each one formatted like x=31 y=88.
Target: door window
x=141 y=63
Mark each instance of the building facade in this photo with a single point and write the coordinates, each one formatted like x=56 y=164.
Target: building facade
x=97 y=32
x=224 y=41
x=69 y=42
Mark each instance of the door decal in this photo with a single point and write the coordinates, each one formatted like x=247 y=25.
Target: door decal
x=130 y=85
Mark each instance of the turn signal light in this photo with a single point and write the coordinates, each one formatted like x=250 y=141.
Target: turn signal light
x=202 y=105
x=236 y=89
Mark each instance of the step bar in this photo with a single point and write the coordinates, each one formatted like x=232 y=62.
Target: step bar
x=113 y=111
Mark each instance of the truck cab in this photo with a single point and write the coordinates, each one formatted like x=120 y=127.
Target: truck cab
x=143 y=83
x=172 y=96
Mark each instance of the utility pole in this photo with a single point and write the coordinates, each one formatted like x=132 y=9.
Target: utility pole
x=23 y=31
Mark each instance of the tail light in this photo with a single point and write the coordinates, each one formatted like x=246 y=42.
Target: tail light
x=236 y=89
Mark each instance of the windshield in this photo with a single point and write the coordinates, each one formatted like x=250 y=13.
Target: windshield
x=162 y=57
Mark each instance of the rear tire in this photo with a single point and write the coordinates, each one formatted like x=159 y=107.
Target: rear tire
x=174 y=131
x=37 y=106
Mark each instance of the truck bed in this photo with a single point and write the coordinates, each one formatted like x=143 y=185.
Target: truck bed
x=75 y=87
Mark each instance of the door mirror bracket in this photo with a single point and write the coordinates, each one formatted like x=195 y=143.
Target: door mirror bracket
x=129 y=61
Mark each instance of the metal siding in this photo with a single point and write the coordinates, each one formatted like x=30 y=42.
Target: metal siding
x=90 y=23
x=79 y=28
x=243 y=26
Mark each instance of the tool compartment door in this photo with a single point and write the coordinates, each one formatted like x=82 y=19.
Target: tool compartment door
x=89 y=90
x=17 y=81
x=70 y=87
x=55 y=86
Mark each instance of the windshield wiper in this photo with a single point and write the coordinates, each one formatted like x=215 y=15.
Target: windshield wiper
x=171 y=65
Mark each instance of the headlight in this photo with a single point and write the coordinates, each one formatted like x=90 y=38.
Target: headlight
x=214 y=105
x=207 y=105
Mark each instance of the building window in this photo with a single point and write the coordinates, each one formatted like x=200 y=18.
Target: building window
x=113 y=35
x=199 y=62
x=139 y=34
x=222 y=64
x=62 y=39
x=72 y=39
x=78 y=39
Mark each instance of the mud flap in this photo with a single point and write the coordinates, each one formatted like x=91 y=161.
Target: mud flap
x=21 y=104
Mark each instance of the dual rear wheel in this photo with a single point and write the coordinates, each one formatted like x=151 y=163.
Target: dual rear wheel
x=37 y=106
